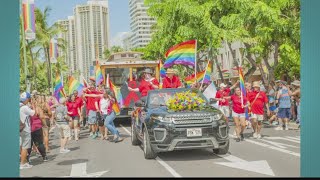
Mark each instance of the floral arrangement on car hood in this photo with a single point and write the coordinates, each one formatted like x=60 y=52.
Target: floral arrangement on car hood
x=186 y=101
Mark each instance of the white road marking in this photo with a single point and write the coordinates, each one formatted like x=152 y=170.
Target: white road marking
x=280 y=145
x=159 y=160
x=80 y=170
x=283 y=138
x=261 y=167
x=294 y=138
x=270 y=147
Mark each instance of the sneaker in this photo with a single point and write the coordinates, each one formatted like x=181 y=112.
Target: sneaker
x=286 y=128
x=234 y=133
x=279 y=128
x=45 y=159
x=255 y=135
x=25 y=166
x=94 y=136
x=91 y=134
x=63 y=151
x=237 y=139
x=241 y=137
x=259 y=136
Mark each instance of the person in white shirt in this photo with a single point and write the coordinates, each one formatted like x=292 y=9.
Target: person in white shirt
x=26 y=111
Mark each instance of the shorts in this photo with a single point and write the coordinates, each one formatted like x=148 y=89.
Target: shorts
x=273 y=108
x=25 y=140
x=92 y=117
x=259 y=117
x=237 y=115
x=284 y=113
x=75 y=120
x=64 y=130
x=225 y=110
x=100 y=119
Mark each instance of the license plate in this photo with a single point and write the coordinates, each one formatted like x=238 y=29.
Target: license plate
x=194 y=132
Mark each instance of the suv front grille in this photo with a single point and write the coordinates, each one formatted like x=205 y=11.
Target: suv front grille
x=192 y=121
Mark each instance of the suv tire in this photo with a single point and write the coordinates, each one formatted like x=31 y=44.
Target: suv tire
x=134 y=139
x=147 y=149
x=222 y=151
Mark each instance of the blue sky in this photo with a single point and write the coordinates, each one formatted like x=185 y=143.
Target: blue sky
x=118 y=9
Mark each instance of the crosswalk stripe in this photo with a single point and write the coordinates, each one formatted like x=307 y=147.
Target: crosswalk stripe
x=293 y=138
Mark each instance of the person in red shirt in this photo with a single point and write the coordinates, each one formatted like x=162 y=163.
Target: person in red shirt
x=258 y=99
x=171 y=80
x=146 y=84
x=91 y=98
x=79 y=101
x=223 y=101
x=74 y=112
x=238 y=112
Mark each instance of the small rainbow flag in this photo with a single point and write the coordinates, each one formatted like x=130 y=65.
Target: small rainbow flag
x=183 y=53
x=53 y=50
x=58 y=89
x=207 y=76
x=74 y=85
x=243 y=90
x=29 y=18
x=162 y=70
x=115 y=106
x=98 y=73
x=191 y=79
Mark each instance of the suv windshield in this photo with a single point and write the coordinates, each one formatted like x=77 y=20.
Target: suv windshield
x=158 y=98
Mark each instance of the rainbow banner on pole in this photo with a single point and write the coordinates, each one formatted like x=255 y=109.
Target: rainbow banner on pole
x=29 y=19
x=207 y=77
x=75 y=85
x=115 y=106
x=243 y=90
x=58 y=89
x=162 y=70
x=53 y=50
x=98 y=73
x=183 y=53
x=195 y=78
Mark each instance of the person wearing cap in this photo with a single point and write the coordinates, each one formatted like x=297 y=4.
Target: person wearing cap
x=296 y=97
x=26 y=111
x=62 y=120
x=147 y=83
x=223 y=101
x=171 y=80
x=284 y=105
x=257 y=99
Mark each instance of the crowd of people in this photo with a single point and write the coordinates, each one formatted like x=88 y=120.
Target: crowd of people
x=41 y=114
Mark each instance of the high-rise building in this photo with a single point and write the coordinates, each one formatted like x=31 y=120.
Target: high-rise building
x=92 y=33
x=140 y=23
x=68 y=35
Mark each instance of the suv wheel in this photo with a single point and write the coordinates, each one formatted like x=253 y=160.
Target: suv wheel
x=134 y=140
x=222 y=151
x=147 y=150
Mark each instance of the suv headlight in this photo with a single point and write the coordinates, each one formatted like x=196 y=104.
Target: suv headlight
x=161 y=118
x=216 y=117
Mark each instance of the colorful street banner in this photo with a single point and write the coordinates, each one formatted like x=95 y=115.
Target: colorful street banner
x=183 y=53
x=58 y=89
x=75 y=85
x=53 y=50
x=29 y=19
x=98 y=74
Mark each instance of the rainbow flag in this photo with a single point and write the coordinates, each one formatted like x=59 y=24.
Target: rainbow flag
x=29 y=19
x=74 y=85
x=53 y=50
x=162 y=70
x=207 y=77
x=115 y=106
x=99 y=76
x=191 y=79
x=58 y=89
x=183 y=53
x=243 y=89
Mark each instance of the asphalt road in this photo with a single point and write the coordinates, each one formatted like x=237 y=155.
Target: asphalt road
x=277 y=154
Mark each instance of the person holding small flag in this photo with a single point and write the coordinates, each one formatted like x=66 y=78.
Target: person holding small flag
x=171 y=80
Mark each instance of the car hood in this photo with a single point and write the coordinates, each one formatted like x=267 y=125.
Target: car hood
x=164 y=112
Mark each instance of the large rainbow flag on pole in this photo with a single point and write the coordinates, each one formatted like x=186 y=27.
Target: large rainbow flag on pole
x=98 y=73
x=58 y=89
x=75 y=85
x=207 y=75
x=29 y=19
x=183 y=53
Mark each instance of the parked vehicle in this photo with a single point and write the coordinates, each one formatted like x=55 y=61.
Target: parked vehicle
x=161 y=130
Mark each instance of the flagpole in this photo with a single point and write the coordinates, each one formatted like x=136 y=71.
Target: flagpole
x=204 y=74
x=195 y=61
x=239 y=69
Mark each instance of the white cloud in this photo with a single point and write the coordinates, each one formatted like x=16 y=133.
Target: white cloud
x=117 y=40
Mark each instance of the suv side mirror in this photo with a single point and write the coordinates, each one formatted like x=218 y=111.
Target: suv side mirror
x=139 y=104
